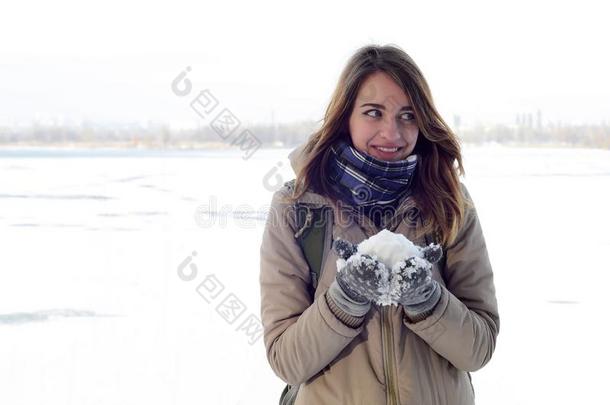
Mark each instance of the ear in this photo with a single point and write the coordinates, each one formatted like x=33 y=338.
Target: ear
x=344 y=248
x=432 y=252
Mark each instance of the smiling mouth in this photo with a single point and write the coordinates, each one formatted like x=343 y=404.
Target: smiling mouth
x=388 y=150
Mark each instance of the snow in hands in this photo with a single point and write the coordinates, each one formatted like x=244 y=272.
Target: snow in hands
x=399 y=264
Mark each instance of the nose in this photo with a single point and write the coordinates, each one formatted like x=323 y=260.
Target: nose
x=390 y=130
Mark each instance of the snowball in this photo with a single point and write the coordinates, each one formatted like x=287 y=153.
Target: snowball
x=389 y=248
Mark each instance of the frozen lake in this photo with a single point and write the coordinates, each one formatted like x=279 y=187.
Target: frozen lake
x=93 y=310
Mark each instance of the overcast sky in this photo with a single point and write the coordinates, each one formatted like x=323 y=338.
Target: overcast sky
x=113 y=61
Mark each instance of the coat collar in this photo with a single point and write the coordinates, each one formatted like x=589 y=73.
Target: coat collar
x=297 y=158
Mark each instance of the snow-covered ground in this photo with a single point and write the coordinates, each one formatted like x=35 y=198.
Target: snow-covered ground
x=116 y=281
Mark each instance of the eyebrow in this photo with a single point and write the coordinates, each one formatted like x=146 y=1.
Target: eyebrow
x=382 y=107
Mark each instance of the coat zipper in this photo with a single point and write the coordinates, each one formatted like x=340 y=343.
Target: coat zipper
x=387 y=341
x=387 y=348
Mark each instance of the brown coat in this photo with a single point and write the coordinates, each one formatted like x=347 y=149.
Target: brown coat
x=387 y=360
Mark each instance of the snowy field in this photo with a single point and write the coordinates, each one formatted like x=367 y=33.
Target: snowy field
x=102 y=300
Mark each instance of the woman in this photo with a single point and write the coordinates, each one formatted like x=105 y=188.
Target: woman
x=383 y=159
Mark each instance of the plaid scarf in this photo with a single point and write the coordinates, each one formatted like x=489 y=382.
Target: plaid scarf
x=365 y=182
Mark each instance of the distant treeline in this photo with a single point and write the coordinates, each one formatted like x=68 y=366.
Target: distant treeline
x=286 y=135
x=590 y=136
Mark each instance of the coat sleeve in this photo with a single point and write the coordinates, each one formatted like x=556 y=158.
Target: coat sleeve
x=465 y=323
x=301 y=337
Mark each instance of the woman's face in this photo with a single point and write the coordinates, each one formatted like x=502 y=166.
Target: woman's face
x=383 y=117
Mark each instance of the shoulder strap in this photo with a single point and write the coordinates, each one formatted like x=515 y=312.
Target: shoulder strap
x=311 y=235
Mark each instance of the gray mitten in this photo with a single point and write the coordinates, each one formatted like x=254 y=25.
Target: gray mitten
x=344 y=248
x=363 y=276
x=432 y=253
x=419 y=293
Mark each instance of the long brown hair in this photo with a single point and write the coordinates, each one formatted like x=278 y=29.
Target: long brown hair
x=436 y=188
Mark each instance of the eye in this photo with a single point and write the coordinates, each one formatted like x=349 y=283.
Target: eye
x=373 y=111
x=407 y=116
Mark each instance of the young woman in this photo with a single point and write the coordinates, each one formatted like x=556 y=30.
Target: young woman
x=383 y=159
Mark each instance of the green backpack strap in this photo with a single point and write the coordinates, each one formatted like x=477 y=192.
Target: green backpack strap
x=289 y=394
x=311 y=235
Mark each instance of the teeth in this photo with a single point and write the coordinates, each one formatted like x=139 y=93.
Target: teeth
x=387 y=149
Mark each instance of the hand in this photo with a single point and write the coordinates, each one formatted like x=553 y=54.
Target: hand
x=416 y=283
x=418 y=291
x=432 y=253
x=363 y=278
